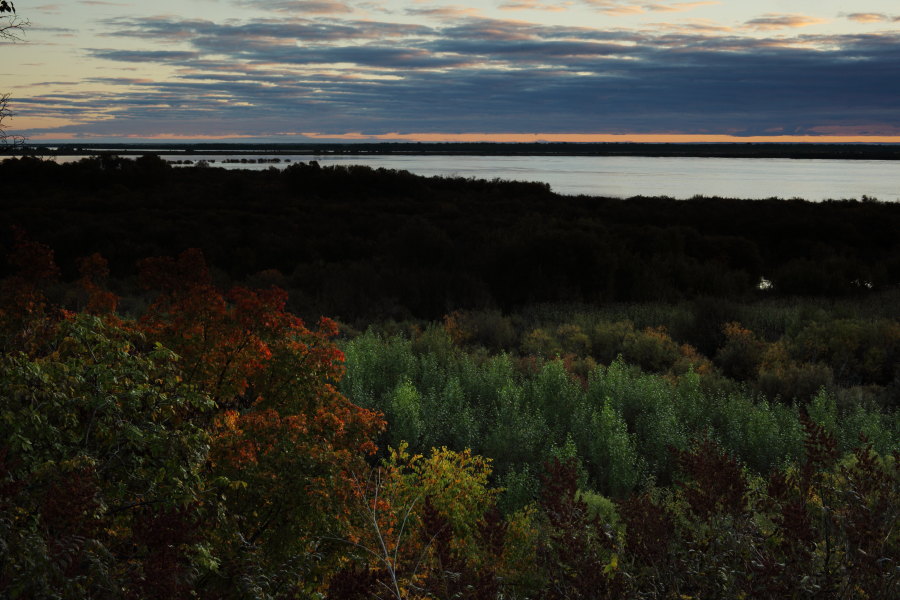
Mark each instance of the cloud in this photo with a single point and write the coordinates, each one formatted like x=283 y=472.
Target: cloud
x=316 y=7
x=502 y=29
x=271 y=76
x=443 y=12
x=56 y=30
x=536 y=5
x=209 y=35
x=619 y=11
x=144 y=55
x=772 y=21
x=615 y=7
x=679 y=6
x=872 y=18
x=693 y=27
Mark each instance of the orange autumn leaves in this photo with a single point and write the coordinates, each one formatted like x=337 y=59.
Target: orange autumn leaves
x=271 y=373
x=280 y=425
x=242 y=347
x=224 y=339
x=243 y=441
x=285 y=438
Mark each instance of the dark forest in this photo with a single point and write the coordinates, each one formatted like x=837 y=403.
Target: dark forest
x=341 y=383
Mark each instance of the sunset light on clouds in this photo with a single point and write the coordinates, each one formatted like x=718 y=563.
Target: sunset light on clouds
x=502 y=70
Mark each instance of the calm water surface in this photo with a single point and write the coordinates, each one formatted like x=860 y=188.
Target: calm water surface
x=627 y=176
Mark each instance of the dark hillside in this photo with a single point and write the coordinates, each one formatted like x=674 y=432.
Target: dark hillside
x=362 y=243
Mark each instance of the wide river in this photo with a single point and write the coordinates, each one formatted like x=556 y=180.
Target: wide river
x=627 y=176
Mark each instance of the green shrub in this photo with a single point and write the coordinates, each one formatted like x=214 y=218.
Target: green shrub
x=517 y=433
x=375 y=366
x=435 y=340
x=788 y=380
x=554 y=393
x=488 y=328
x=858 y=352
x=822 y=409
x=573 y=340
x=652 y=349
x=848 y=425
x=608 y=339
x=647 y=404
x=764 y=435
x=541 y=343
x=742 y=353
x=404 y=415
x=520 y=488
x=608 y=451
x=602 y=508
x=98 y=437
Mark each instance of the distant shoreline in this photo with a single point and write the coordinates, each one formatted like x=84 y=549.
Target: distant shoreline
x=700 y=150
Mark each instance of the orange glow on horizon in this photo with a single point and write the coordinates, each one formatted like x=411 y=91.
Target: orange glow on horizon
x=649 y=138
x=155 y=138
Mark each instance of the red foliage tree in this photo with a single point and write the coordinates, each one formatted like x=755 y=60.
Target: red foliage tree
x=285 y=438
x=94 y=270
x=26 y=313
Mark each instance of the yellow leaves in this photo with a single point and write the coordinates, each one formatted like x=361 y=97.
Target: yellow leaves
x=612 y=566
x=228 y=419
x=455 y=484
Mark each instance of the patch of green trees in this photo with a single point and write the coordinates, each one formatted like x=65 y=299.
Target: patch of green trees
x=620 y=423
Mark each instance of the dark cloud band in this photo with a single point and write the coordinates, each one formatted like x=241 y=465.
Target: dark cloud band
x=268 y=77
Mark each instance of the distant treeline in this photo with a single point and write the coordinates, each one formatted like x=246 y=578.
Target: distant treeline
x=363 y=244
x=721 y=150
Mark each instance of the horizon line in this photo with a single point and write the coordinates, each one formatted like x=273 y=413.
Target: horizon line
x=474 y=137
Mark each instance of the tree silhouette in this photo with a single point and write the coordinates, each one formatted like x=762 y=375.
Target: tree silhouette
x=11 y=27
x=7 y=141
x=10 y=23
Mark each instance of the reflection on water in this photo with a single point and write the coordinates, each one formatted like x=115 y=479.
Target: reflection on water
x=627 y=176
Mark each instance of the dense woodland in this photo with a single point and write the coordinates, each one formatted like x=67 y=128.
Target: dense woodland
x=361 y=244
x=511 y=393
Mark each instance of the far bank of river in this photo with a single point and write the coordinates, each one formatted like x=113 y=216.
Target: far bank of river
x=626 y=176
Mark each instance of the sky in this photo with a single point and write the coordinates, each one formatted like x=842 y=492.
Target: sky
x=466 y=70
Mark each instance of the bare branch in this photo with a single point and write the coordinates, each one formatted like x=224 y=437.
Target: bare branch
x=8 y=143
x=12 y=28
